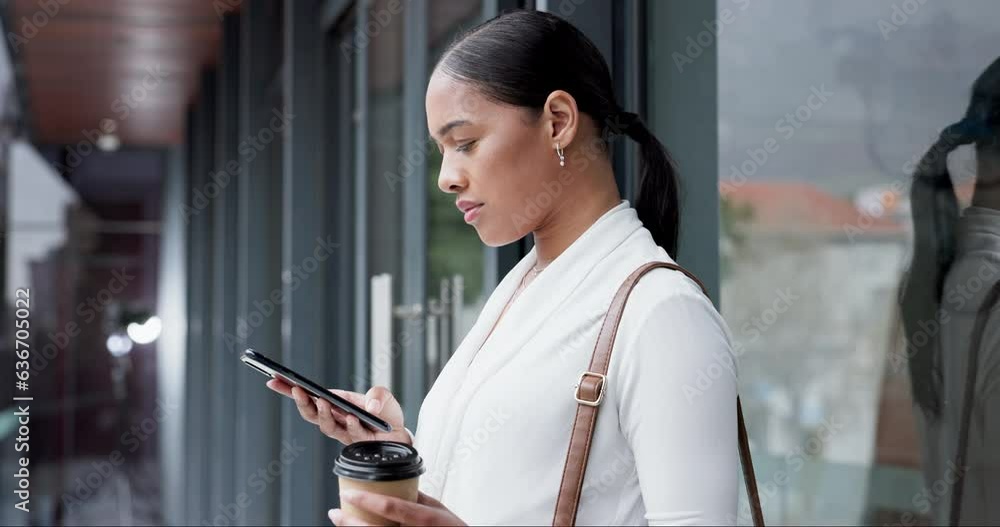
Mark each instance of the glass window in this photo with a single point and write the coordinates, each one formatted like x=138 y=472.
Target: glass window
x=454 y=250
x=385 y=144
x=824 y=110
x=339 y=164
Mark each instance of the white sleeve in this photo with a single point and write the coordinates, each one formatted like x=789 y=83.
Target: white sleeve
x=676 y=393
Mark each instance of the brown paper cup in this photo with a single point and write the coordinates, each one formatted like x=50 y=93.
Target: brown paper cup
x=381 y=467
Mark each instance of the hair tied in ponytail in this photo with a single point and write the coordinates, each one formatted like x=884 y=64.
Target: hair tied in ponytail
x=519 y=58
x=624 y=123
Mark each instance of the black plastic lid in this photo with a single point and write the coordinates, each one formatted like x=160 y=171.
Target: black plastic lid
x=379 y=461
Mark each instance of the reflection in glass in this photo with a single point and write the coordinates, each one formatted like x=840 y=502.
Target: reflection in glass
x=952 y=341
x=825 y=110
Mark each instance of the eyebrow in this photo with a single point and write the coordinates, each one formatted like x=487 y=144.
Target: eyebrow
x=453 y=124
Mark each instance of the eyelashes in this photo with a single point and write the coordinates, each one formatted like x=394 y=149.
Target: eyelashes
x=465 y=147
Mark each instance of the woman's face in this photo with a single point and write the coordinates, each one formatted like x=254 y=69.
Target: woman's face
x=498 y=160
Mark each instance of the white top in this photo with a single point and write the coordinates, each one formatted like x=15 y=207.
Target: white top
x=494 y=435
x=974 y=273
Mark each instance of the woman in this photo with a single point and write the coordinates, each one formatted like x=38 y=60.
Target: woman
x=951 y=316
x=522 y=108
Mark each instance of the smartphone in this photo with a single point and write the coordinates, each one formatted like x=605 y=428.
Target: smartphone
x=275 y=370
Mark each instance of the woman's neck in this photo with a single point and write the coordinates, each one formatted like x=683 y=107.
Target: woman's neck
x=573 y=215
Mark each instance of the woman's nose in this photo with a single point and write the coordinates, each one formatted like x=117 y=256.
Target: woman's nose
x=450 y=178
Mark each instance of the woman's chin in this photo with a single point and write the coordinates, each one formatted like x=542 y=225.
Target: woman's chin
x=496 y=239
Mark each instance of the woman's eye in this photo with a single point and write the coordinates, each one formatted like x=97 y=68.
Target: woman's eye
x=465 y=147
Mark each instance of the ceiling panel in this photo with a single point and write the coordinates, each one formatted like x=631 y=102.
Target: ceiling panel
x=135 y=61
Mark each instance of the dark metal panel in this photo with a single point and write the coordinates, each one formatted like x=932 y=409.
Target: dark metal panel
x=361 y=372
x=684 y=115
x=258 y=268
x=223 y=399
x=193 y=236
x=338 y=166
x=306 y=252
x=628 y=69
x=199 y=307
x=331 y=11
x=414 y=207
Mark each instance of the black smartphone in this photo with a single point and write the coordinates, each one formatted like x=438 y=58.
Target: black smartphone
x=275 y=370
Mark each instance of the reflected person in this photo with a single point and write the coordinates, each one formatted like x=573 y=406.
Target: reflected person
x=952 y=318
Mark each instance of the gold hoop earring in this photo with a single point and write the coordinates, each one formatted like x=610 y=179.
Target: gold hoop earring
x=562 y=158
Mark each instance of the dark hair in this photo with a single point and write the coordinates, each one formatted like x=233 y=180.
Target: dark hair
x=935 y=211
x=521 y=56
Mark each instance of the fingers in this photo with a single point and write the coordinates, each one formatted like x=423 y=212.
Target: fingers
x=328 y=424
x=424 y=499
x=353 y=397
x=376 y=398
x=331 y=420
x=391 y=508
x=280 y=386
x=338 y=518
x=305 y=405
x=356 y=430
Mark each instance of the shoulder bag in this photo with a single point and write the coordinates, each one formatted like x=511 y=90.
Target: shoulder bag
x=590 y=392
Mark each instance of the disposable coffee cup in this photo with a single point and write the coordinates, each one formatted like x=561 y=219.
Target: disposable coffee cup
x=382 y=467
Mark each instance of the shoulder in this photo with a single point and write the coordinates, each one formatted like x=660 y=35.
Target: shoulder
x=672 y=343
x=668 y=314
x=664 y=303
x=662 y=292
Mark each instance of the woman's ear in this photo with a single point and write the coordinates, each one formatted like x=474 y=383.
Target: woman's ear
x=561 y=118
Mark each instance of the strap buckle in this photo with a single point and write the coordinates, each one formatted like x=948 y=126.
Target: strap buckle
x=600 y=394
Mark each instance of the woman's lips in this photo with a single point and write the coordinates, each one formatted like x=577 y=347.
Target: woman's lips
x=472 y=214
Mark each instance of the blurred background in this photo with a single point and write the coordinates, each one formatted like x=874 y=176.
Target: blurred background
x=181 y=179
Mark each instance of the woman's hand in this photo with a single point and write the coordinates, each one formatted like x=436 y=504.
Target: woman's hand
x=427 y=510
x=344 y=427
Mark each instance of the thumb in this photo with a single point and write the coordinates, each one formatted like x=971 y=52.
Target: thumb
x=376 y=398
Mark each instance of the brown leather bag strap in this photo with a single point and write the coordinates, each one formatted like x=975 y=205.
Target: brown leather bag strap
x=590 y=393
